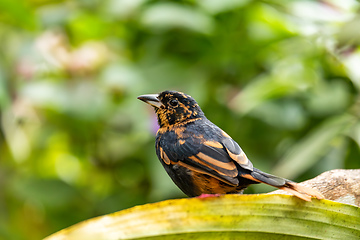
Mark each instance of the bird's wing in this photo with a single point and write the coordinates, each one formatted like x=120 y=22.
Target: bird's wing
x=209 y=157
x=236 y=153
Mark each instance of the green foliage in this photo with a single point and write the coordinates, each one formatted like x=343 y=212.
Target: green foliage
x=281 y=77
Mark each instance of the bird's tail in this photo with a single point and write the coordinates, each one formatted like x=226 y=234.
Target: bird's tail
x=305 y=193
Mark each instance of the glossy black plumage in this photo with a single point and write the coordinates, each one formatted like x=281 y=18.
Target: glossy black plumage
x=200 y=157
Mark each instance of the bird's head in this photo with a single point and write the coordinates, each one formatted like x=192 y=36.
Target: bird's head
x=173 y=107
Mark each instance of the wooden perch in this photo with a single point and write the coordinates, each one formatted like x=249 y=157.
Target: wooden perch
x=337 y=185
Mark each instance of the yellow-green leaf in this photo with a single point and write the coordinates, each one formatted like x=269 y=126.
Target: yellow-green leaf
x=226 y=217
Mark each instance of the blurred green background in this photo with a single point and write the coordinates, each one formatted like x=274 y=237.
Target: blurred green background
x=281 y=77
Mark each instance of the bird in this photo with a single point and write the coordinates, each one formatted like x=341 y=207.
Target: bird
x=201 y=158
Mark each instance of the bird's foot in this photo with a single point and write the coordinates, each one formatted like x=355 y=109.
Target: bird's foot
x=206 y=195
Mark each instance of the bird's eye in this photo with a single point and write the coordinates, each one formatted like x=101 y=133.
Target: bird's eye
x=173 y=102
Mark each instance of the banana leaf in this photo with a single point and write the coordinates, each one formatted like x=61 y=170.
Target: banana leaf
x=247 y=217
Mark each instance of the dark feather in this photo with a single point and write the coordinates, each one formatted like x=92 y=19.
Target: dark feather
x=268 y=178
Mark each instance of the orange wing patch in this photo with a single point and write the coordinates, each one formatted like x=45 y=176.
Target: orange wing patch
x=213 y=164
x=228 y=165
x=239 y=158
x=225 y=134
x=213 y=144
x=205 y=173
x=248 y=176
x=164 y=157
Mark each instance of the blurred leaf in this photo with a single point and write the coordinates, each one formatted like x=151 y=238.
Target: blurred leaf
x=215 y=6
x=122 y=76
x=268 y=23
x=44 y=2
x=307 y=151
x=285 y=114
x=318 y=12
x=348 y=34
x=329 y=98
x=355 y=134
x=124 y=8
x=17 y=13
x=83 y=99
x=86 y=26
x=4 y=98
x=352 y=63
x=44 y=93
x=171 y=15
x=287 y=78
x=51 y=192
x=334 y=158
x=225 y=217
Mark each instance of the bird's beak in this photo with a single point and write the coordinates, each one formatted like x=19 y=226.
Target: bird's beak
x=151 y=99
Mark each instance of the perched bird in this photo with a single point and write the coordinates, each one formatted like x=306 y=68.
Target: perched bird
x=200 y=157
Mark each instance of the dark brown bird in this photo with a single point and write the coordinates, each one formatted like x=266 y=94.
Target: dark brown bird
x=200 y=157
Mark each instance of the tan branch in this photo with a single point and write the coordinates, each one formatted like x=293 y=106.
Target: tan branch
x=338 y=185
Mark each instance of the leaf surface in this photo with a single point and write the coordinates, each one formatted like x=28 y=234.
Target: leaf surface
x=226 y=217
